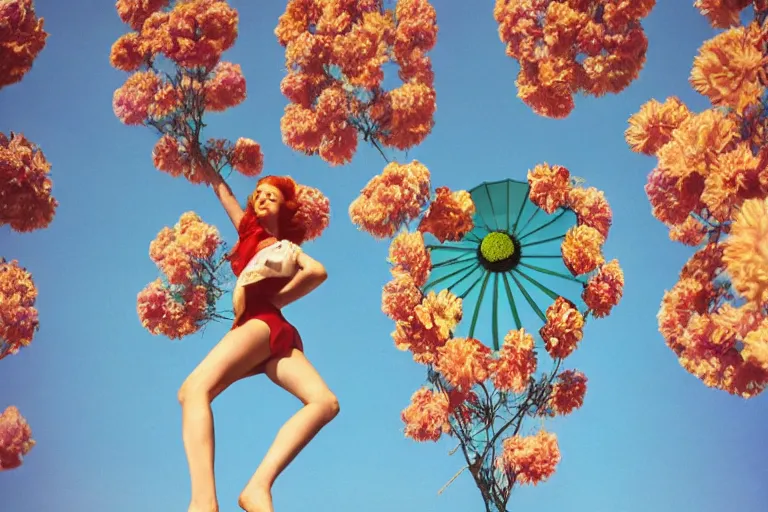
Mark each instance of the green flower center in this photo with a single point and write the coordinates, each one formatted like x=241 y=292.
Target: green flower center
x=497 y=247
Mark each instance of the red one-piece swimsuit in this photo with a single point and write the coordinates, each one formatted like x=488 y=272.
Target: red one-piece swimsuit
x=282 y=335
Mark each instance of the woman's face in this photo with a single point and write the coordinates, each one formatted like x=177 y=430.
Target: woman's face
x=267 y=201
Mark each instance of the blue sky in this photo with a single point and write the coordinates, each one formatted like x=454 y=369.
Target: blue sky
x=100 y=392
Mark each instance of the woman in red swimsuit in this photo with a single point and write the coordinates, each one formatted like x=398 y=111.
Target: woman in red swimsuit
x=261 y=341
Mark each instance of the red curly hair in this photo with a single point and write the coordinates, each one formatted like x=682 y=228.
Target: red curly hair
x=288 y=226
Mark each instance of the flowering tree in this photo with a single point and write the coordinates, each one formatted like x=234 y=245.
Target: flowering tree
x=569 y=46
x=335 y=55
x=15 y=438
x=476 y=394
x=22 y=38
x=174 y=53
x=710 y=187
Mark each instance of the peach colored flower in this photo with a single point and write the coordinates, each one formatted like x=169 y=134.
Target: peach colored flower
x=300 y=129
x=516 y=362
x=677 y=307
x=440 y=311
x=407 y=253
x=15 y=438
x=652 y=127
x=591 y=207
x=181 y=251
x=690 y=232
x=132 y=101
x=726 y=69
x=167 y=156
x=722 y=13
x=18 y=315
x=529 y=459
x=407 y=116
x=549 y=186
x=733 y=177
x=431 y=325
x=136 y=12
x=546 y=87
x=582 y=249
x=695 y=147
x=564 y=328
x=392 y=199
x=226 y=88
x=756 y=346
x=167 y=101
x=449 y=216
x=604 y=289
x=672 y=202
x=746 y=251
x=199 y=31
x=128 y=52
x=26 y=203
x=426 y=418
x=314 y=211
x=162 y=311
x=22 y=38
x=463 y=362
x=247 y=157
x=399 y=297
x=339 y=143
x=567 y=393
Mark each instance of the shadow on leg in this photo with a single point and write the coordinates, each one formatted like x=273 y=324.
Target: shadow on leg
x=296 y=375
x=230 y=360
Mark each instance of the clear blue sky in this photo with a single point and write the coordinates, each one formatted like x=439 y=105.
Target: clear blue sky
x=100 y=392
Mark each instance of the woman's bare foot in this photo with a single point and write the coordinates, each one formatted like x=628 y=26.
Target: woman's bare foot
x=198 y=508
x=256 y=499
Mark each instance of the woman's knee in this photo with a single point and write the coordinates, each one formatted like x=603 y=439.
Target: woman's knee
x=191 y=390
x=329 y=404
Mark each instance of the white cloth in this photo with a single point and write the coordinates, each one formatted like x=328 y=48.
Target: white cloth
x=277 y=260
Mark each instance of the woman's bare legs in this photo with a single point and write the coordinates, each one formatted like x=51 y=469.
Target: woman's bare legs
x=296 y=375
x=233 y=358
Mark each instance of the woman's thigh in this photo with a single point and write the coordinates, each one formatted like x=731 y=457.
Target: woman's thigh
x=295 y=374
x=232 y=359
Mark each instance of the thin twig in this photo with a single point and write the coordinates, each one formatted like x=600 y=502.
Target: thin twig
x=454 y=477
x=381 y=151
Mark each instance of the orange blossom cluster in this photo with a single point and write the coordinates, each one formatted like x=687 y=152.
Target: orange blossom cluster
x=335 y=52
x=22 y=38
x=15 y=438
x=399 y=195
x=192 y=35
x=186 y=256
x=26 y=203
x=18 y=315
x=570 y=46
x=710 y=187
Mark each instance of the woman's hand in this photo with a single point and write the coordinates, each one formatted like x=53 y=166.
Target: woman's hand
x=203 y=165
x=310 y=275
x=220 y=187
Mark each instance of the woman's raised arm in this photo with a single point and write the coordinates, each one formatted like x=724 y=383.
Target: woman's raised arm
x=224 y=193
